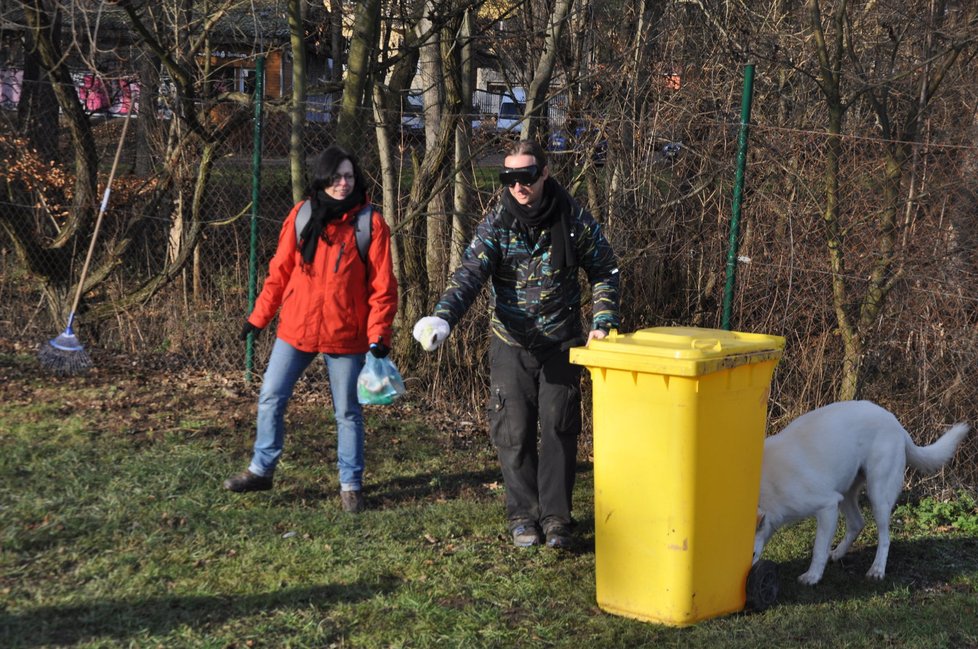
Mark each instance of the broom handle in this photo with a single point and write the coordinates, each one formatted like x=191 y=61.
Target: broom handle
x=98 y=220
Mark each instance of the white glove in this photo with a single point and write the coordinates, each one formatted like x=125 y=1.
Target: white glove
x=431 y=332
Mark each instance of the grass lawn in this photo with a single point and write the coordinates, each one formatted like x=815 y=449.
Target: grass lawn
x=116 y=533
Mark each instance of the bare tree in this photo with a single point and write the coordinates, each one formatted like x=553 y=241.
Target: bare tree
x=432 y=42
x=882 y=67
x=536 y=98
x=179 y=39
x=48 y=254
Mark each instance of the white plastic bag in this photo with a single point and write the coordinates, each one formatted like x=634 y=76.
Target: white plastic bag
x=379 y=382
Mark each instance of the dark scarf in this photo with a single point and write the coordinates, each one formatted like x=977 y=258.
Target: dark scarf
x=325 y=208
x=552 y=211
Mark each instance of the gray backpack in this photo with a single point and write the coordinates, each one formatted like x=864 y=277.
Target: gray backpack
x=361 y=223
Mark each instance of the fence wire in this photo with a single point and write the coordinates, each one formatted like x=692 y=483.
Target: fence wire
x=661 y=186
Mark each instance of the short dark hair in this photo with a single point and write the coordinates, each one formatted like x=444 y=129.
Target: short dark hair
x=529 y=147
x=326 y=165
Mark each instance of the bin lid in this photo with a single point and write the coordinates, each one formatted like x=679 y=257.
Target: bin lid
x=678 y=351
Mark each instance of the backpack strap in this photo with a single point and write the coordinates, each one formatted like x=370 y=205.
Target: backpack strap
x=301 y=219
x=362 y=225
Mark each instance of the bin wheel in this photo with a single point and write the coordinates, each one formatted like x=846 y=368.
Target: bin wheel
x=762 y=585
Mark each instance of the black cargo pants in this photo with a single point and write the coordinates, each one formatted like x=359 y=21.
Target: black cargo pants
x=528 y=391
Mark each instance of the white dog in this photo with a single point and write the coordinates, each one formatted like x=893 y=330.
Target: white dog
x=820 y=463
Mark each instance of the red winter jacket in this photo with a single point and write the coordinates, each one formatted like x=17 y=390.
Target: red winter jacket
x=338 y=304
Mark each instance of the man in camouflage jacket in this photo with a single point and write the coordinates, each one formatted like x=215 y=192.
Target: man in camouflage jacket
x=531 y=245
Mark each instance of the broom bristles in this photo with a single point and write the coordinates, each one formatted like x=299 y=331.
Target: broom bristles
x=64 y=355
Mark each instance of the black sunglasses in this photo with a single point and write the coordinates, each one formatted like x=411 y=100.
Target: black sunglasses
x=525 y=176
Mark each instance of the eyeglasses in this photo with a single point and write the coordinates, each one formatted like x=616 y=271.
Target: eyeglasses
x=336 y=178
x=525 y=176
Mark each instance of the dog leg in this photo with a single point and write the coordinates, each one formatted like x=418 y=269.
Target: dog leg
x=884 y=482
x=878 y=570
x=766 y=526
x=882 y=505
x=854 y=520
x=828 y=520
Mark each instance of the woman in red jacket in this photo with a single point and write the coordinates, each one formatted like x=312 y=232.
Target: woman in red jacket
x=334 y=303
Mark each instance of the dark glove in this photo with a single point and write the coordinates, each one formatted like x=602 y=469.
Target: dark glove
x=379 y=349
x=573 y=342
x=248 y=328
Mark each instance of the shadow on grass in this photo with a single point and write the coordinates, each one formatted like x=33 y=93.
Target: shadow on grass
x=400 y=491
x=478 y=485
x=926 y=564
x=119 y=619
x=475 y=484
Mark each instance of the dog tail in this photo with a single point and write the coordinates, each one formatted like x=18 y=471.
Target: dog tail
x=929 y=459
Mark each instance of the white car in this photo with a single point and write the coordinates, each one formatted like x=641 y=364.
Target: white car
x=412 y=117
x=511 y=110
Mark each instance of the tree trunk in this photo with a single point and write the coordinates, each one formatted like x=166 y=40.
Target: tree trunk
x=147 y=125
x=335 y=50
x=385 y=152
x=297 y=107
x=351 y=124
x=830 y=62
x=37 y=111
x=432 y=81
x=429 y=177
x=464 y=180
x=536 y=99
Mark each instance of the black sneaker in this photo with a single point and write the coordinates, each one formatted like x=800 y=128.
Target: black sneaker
x=526 y=535
x=559 y=537
x=248 y=481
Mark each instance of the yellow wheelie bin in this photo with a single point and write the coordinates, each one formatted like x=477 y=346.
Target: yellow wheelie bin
x=679 y=423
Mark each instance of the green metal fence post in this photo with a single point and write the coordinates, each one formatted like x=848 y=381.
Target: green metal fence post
x=255 y=194
x=738 y=193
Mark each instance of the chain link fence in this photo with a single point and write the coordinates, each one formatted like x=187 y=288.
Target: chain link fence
x=661 y=186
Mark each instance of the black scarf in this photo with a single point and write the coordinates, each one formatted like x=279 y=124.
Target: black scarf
x=325 y=208
x=552 y=211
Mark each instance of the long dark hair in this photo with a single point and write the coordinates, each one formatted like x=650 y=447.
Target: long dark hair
x=326 y=165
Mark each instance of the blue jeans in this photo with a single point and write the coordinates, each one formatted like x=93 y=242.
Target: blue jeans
x=285 y=367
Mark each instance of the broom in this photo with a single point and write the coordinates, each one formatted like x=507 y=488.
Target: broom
x=65 y=355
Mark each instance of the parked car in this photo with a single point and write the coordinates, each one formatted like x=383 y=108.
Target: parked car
x=669 y=151
x=319 y=108
x=559 y=142
x=583 y=140
x=412 y=113
x=511 y=109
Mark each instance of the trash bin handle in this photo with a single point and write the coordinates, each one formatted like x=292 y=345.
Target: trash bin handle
x=705 y=343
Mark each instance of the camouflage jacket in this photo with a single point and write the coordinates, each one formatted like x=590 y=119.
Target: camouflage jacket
x=534 y=305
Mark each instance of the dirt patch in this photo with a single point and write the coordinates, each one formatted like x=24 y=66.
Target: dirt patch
x=160 y=393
